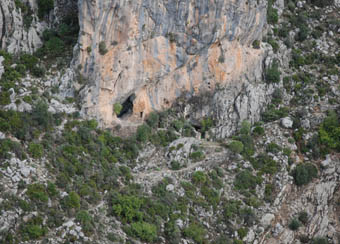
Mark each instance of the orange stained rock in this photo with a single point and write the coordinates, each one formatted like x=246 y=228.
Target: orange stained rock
x=215 y=66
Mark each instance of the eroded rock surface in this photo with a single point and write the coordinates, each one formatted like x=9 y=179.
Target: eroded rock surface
x=155 y=51
x=20 y=32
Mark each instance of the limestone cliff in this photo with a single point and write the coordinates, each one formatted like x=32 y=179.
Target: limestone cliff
x=19 y=31
x=155 y=51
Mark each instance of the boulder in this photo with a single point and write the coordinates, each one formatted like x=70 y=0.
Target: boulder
x=267 y=219
x=287 y=122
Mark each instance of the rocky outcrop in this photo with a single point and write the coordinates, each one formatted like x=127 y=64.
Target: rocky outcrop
x=317 y=199
x=2 y=68
x=19 y=31
x=152 y=52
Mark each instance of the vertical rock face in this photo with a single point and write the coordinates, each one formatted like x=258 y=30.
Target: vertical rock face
x=153 y=51
x=19 y=32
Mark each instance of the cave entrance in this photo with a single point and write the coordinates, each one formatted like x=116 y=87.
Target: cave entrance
x=127 y=107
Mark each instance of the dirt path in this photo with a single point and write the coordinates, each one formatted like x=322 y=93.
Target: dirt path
x=212 y=159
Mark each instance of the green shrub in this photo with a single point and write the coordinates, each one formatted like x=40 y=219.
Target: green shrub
x=37 y=193
x=20 y=4
x=28 y=99
x=303 y=217
x=153 y=120
x=86 y=221
x=197 y=156
x=41 y=115
x=143 y=133
x=36 y=150
x=33 y=229
x=236 y=146
x=29 y=61
x=258 y=131
x=38 y=71
x=72 y=200
x=322 y=3
x=297 y=59
x=272 y=74
x=175 y=165
x=54 y=217
x=44 y=7
x=304 y=173
x=284 y=31
x=242 y=232
x=265 y=164
x=248 y=145
x=287 y=151
x=273 y=148
x=211 y=196
x=112 y=237
x=5 y=98
x=6 y=146
x=273 y=114
x=177 y=124
x=54 y=47
x=206 y=124
x=102 y=48
x=320 y=240
x=52 y=189
x=256 y=44
x=231 y=209
x=159 y=189
x=58 y=42
x=294 y=224
x=248 y=216
x=268 y=193
x=62 y=180
x=303 y=33
x=127 y=207
x=274 y=44
x=272 y=15
x=329 y=132
x=195 y=232
x=199 y=178
x=144 y=231
x=245 y=180
x=117 y=108
x=172 y=232
x=304 y=238
x=245 y=127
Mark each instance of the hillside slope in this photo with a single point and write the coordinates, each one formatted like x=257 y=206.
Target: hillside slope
x=252 y=160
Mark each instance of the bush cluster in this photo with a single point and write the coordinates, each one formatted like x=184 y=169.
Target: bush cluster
x=265 y=164
x=245 y=180
x=272 y=113
x=196 y=232
x=102 y=48
x=322 y=3
x=44 y=7
x=329 y=132
x=273 y=74
x=294 y=224
x=304 y=173
x=272 y=14
x=33 y=229
x=59 y=42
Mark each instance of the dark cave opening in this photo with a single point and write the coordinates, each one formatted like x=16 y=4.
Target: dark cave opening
x=127 y=107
